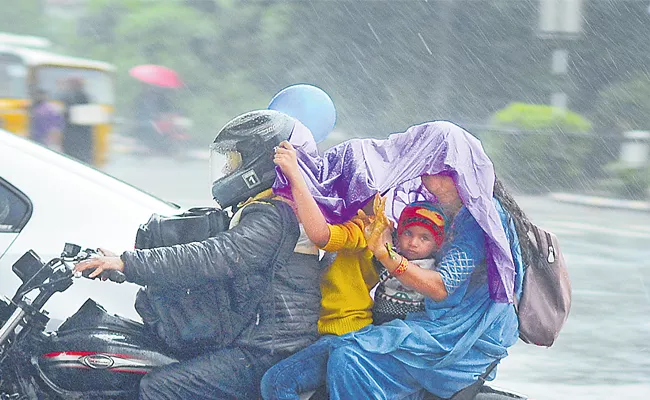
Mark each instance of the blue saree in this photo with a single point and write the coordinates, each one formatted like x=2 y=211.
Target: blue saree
x=446 y=347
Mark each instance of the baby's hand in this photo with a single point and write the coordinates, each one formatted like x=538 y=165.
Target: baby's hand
x=285 y=158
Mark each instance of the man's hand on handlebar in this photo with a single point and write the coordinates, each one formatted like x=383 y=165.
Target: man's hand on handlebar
x=108 y=261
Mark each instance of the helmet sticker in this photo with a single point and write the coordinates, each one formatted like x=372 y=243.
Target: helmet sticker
x=251 y=179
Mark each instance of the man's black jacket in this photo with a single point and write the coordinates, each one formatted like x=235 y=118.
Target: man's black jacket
x=285 y=314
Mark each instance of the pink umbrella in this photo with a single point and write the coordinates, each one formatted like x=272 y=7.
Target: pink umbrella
x=156 y=75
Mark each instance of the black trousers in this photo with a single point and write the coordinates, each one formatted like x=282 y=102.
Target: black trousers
x=230 y=373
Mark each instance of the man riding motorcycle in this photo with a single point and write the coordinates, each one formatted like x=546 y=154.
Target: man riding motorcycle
x=280 y=301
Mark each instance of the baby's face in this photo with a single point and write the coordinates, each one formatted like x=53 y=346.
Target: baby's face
x=416 y=243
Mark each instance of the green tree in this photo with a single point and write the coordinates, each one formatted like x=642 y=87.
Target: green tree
x=217 y=62
x=23 y=17
x=499 y=58
x=389 y=65
x=625 y=105
x=539 y=147
x=614 y=52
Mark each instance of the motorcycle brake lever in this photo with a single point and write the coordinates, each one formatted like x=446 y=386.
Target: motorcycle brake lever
x=112 y=275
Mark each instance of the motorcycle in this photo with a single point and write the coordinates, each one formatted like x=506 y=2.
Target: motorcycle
x=92 y=355
x=172 y=134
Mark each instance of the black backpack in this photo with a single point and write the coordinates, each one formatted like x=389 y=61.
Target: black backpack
x=184 y=318
x=194 y=225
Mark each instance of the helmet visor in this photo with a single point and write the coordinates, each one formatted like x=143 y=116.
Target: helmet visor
x=223 y=162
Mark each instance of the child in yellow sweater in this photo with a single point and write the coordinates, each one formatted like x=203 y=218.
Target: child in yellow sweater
x=346 y=303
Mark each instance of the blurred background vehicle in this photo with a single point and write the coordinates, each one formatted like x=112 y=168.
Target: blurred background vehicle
x=24 y=69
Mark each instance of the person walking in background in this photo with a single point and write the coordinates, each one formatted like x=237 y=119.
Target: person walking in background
x=45 y=122
x=152 y=108
x=77 y=139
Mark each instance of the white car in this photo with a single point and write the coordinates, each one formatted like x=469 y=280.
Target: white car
x=47 y=199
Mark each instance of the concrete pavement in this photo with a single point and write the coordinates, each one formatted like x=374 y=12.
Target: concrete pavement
x=604 y=202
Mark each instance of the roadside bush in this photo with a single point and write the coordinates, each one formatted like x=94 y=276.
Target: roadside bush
x=538 y=148
x=626 y=182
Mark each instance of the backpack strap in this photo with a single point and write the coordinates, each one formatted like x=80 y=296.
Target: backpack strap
x=470 y=392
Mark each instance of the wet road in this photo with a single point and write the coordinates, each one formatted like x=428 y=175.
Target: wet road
x=604 y=350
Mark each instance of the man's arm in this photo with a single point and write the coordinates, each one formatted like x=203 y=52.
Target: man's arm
x=248 y=247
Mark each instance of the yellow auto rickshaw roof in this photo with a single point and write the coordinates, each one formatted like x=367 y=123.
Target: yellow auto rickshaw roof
x=34 y=57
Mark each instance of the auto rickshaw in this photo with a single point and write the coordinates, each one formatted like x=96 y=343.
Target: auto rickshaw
x=23 y=69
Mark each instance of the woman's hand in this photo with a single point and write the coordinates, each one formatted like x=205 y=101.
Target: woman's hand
x=378 y=233
x=285 y=158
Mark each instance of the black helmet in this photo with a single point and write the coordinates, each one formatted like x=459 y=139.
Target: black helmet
x=241 y=156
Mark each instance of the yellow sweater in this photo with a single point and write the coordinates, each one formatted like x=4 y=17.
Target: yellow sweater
x=346 y=303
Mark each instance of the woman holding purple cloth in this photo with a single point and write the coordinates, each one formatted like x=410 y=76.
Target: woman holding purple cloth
x=469 y=320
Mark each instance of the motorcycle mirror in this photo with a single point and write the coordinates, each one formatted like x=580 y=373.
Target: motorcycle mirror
x=28 y=266
x=70 y=250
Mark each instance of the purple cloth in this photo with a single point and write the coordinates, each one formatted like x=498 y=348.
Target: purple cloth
x=44 y=118
x=346 y=176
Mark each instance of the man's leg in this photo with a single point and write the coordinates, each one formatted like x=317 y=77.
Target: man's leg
x=302 y=372
x=230 y=373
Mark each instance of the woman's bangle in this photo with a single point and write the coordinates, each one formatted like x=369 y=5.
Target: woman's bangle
x=401 y=268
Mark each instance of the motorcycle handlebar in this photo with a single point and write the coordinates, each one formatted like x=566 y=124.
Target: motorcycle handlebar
x=111 y=275
x=73 y=253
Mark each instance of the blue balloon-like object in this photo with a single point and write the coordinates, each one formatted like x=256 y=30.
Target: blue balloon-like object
x=308 y=104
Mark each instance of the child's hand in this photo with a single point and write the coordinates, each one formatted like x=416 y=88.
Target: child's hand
x=378 y=233
x=285 y=158
x=367 y=220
